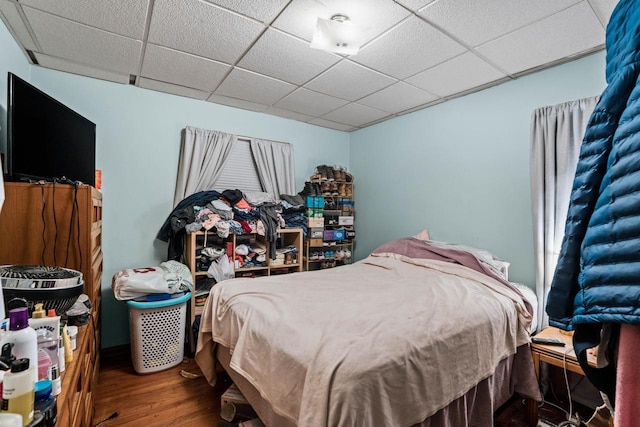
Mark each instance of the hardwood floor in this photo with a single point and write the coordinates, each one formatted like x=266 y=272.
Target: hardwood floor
x=165 y=398
x=155 y=400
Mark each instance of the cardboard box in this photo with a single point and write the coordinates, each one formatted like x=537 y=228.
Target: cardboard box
x=316 y=232
x=327 y=235
x=315 y=242
x=315 y=222
x=338 y=234
x=345 y=220
x=232 y=395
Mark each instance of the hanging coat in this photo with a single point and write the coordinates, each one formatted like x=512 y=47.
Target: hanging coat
x=597 y=278
x=596 y=285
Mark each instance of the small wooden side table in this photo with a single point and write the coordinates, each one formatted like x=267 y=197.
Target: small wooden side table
x=560 y=356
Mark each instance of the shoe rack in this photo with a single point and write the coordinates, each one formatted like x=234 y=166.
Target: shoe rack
x=335 y=186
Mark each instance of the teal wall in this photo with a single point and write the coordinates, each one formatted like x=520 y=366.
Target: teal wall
x=461 y=168
x=138 y=142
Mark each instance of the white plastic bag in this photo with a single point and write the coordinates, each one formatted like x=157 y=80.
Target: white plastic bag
x=221 y=269
x=168 y=278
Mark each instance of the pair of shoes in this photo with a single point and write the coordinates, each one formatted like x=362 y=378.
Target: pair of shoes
x=328 y=264
x=326 y=189
x=311 y=189
x=314 y=256
x=308 y=190
x=326 y=172
x=339 y=173
x=334 y=189
x=329 y=255
x=339 y=255
x=348 y=190
x=347 y=254
x=342 y=190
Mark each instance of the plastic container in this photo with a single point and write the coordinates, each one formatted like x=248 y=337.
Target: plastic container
x=10 y=420
x=46 y=404
x=48 y=344
x=157 y=331
x=18 y=393
x=73 y=336
x=23 y=338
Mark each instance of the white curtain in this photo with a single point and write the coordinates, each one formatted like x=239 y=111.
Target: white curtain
x=201 y=160
x=556 y=135
x=275 y=166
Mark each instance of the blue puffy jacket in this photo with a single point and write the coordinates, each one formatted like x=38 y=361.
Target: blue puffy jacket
x=597 y=278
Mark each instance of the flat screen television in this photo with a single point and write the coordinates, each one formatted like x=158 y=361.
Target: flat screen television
x=45 y=138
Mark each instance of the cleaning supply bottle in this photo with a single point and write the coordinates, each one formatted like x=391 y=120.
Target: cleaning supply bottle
x=48 y=351
x=68 y=352
x=18 y=392
x=23 y=338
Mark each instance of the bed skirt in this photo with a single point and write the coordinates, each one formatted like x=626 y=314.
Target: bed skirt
x=512 y=375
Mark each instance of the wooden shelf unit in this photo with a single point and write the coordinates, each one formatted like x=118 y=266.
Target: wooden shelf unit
x=37 y=228
x=202 y=283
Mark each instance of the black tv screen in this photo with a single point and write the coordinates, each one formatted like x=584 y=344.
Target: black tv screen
x=46 y=139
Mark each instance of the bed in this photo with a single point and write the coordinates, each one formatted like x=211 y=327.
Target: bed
x=417 y=334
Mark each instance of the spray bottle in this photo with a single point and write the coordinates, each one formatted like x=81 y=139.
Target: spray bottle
x=23 y=338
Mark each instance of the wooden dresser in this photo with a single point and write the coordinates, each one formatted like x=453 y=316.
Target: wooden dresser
x=47 y=224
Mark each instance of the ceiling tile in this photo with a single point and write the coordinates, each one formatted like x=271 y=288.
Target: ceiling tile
x=332 y=125
x=355 y=115
x=603 y=9
x=408 y=48
x=397 y=98
x=168 y=65
x=286 y=58
x=254 y=87
x=127 y=18
x=237 y=103
x=300 y=17
x=477 y=21
x=349 y=81
x=562 y=35
x=87 y=45
x=191 y=26
x=309 y=102
x=288 y=114
x=263 y=10
x=80 y=69
x=15 y=22
x=456 y=75
x=415 y=5
x=172 y=89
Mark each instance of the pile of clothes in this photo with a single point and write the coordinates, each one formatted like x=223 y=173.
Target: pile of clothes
x=232 y=211
x=250 y=255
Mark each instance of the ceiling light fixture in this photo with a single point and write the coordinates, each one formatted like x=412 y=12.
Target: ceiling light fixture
x=338 y=35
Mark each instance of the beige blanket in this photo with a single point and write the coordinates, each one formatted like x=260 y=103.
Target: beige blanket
x=388 y=340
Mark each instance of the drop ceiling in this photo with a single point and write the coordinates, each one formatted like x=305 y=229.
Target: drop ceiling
x=255 y=54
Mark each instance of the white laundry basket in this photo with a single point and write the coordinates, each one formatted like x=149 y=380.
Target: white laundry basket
x=157 y=331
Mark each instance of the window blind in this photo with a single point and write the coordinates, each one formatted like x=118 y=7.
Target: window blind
x=239 y=171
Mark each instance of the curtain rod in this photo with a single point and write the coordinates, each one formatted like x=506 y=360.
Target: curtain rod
x=249 y=138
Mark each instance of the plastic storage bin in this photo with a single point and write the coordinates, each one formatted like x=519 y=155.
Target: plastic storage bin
x=157 y=331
